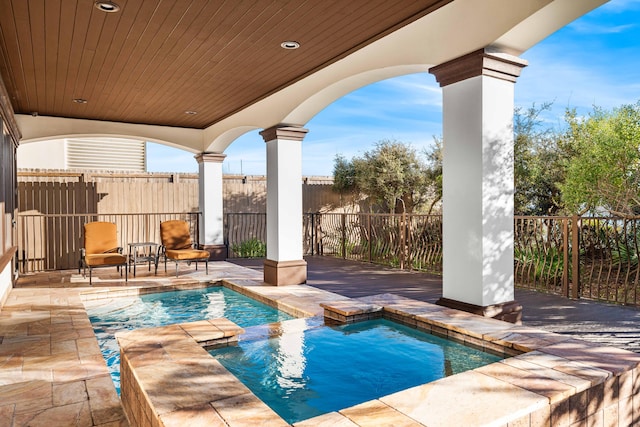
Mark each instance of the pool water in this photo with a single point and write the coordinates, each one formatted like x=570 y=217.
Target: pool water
x=165 y=308
x=311 y=372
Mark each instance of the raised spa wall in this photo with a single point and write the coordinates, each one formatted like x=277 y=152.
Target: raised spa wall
x=547 y=379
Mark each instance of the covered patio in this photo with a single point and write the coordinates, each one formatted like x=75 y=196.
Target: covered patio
x=197 y=75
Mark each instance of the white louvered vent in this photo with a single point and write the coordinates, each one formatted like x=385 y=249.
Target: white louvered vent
x=106 y=153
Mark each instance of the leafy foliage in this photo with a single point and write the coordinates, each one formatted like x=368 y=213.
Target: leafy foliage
x=593 y=164
x=252 y=248
x=344 y=175
x=604 y=173
x=538 y=164
x=392 y=175
x=434 y=172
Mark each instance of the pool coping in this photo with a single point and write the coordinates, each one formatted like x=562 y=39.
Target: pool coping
x=549 y=379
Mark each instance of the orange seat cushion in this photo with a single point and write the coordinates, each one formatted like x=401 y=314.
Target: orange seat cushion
x=96 y=260
x=175 y=234
x=187 y=254
x=100 y=237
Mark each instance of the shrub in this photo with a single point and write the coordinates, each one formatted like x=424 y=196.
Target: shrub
x=252 y=248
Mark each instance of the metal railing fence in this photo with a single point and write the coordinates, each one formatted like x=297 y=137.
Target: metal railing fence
x=53 y=241
x=577 y=257
x=403 y=241
x=244 y=227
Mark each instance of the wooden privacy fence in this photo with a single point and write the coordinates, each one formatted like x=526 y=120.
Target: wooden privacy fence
x=53 y=241
x=82 y=191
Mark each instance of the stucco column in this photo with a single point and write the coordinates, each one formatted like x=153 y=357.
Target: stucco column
x=478 y=173
x=284 y=264
x=210 y=201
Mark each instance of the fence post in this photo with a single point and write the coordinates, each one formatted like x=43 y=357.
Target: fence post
x=344 y=235
x=198 y=219
x=565 y=257
x=225 y=230
x=316 y=225
x=575 y=257
x=313 y=235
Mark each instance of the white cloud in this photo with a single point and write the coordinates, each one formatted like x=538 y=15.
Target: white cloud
x=591 y=28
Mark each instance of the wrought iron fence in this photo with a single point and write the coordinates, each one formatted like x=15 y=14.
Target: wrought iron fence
x=403 y=241
x=541 y=254
x=594 y=258
x=53 y=241
x=241 y=228
x=609 y=259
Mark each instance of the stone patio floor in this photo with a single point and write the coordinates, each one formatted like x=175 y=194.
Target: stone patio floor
x=52 y=372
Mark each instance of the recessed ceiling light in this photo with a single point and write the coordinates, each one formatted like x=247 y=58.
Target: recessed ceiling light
x=79 y=101
x=290 y=45
x=107 y=6
x=191 y=113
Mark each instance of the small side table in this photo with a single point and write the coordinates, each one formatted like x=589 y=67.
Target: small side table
x=143 y=252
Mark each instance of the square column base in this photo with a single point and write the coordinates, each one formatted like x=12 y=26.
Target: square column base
x=285 y=272
x=510 y=311
x=216 y=252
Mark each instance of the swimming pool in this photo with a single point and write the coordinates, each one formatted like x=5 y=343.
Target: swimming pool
x=309 y=372
x=165 y=308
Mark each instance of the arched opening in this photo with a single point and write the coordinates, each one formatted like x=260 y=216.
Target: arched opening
x=405 y=108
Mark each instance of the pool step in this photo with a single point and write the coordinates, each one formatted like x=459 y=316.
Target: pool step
x=350 y=311
x=213 y=333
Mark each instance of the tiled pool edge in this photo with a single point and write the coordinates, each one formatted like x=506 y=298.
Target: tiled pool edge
x=100 y=294
x=566 y=381
x=559 y=381
x=177 y=352
x=303 y=302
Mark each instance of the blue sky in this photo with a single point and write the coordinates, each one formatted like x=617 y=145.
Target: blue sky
x=592 y=61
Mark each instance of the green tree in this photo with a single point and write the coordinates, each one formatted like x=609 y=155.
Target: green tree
x=434 y=171
x=604 y=172
x=392 y=175
x=539 y=164
x=344 y=175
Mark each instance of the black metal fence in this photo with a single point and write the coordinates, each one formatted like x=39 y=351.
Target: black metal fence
x=578 y=257
x=53 y=241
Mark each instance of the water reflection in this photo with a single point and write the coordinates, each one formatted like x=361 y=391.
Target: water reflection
x=304 y=373
x=165 y=308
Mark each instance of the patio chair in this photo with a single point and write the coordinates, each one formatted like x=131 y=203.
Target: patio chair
x=178 y=246
x=100 y=249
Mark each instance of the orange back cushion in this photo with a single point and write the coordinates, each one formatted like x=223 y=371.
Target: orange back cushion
x=175 y=234
x=100 y=237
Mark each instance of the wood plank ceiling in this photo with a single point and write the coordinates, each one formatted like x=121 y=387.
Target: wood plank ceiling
x=155 y=60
